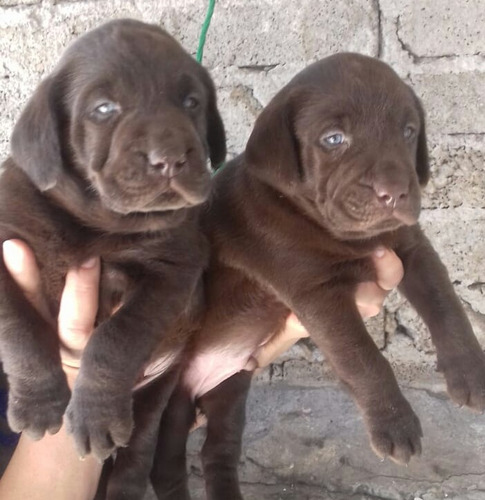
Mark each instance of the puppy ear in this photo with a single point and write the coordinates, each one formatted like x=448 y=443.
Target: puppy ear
x=35 y=143
x=422 y=160
x=272 y=151
x=216 y=136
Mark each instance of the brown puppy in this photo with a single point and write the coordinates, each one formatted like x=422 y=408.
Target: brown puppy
x=109 y=158
x=332 y=170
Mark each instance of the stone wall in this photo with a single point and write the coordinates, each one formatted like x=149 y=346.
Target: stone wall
x=256 y=46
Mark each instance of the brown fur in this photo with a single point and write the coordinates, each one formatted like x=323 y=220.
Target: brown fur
x=109 y=158
x=292 y=223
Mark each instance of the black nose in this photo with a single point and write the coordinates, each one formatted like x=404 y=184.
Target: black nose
x=390 y=194
x=168 y=164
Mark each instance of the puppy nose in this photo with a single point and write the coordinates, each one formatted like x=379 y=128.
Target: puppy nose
x=390 y=194
x=167 y=164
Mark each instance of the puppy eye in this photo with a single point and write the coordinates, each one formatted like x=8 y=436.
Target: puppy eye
x=190 y=102
x=333 y=139
x=409 y=132
x=105 y=110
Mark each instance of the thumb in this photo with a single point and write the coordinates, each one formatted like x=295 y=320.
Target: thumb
x=78 y=308
x=389 y=268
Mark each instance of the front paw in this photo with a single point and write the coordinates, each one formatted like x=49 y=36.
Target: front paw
x=394 y=431
x=465 y=379
x=37 y=406
x=99 y=421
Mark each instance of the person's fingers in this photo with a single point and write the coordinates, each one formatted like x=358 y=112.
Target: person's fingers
x=200 y=420
x=389 y=268
x=294 y=329
x=22 y=266
x=277 y=344
x=369 y=298
x=78 y=309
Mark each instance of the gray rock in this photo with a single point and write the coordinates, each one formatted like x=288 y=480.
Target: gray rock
x=311 y=444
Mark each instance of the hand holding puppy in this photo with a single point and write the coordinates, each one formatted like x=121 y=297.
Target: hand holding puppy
x=79 y=303
x=369 y=298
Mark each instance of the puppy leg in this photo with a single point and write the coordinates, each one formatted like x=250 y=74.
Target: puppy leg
x=169 y=471
x=100 y=413
x=330 y=314
x=225 y=408
x=241 y=316
x=29 y=350
x=427 y=286
x=130 y=475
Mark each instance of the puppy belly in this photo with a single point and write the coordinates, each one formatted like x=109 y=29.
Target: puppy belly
x=157 y=367
x=209 y=368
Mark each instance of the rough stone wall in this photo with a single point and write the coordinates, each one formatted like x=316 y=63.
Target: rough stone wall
x=256 y=46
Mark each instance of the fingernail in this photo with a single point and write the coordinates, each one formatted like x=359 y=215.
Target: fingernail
x=379 y=252
x=90 y=263
x=15 y=258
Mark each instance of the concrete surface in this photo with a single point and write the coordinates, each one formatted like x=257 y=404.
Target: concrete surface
x=305 y=439
x=309 y=444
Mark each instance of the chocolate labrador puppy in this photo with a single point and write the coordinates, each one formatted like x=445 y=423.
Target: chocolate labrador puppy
x=332 y=169
x=109 y=158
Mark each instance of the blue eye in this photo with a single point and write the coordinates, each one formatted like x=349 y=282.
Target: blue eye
x=409 y=132
x=333 y=139
x=105 y=110
x=191 y=102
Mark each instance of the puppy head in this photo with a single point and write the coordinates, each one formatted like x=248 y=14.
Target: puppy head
x=130 y=116
x=346 y=139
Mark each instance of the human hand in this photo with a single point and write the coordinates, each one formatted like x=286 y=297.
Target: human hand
x=370 y=295
x=79 y=302
x=369 y=298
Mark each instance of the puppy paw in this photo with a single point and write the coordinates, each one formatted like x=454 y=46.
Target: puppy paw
x=99 y=422
x=37 y=407
x=395 y=432
x=465 y=380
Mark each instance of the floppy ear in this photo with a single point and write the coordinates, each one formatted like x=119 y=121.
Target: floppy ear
x=35 y=142
x=422 y=160
x=216 y=136
x=272 y=151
